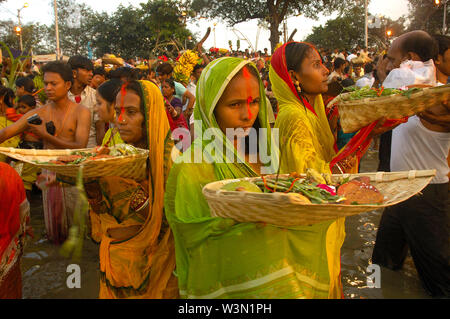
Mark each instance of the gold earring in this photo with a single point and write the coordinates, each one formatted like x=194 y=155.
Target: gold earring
x=297 y=85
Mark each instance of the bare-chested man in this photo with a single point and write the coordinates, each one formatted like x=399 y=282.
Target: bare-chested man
x=70 y=121
x=65 y=125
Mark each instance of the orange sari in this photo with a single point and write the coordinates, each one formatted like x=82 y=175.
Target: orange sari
x=140 y=262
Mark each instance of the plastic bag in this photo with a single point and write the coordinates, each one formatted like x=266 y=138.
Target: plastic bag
x=411 y=72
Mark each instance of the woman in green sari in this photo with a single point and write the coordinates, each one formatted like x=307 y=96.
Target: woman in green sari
x=219 y=257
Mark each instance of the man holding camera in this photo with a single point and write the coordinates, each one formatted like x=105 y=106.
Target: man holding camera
x=61 y=124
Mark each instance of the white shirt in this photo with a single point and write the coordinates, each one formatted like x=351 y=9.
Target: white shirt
x=414 y=147
x=366 y=80
x=191 y=87
x=351 y=57
x=88 y=100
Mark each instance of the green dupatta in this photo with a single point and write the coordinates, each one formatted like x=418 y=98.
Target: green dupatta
x=218 y=257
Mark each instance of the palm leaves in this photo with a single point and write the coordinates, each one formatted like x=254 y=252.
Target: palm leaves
x=17 y=65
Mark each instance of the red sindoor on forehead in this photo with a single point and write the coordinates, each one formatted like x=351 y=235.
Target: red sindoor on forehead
x=123 y=92
x=247 y=77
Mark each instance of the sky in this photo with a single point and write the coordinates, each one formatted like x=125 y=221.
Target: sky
x=42 y=11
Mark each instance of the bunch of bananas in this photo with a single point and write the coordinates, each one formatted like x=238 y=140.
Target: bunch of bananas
x=185 y=66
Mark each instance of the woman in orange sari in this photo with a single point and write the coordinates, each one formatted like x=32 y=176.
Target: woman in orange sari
x=137 y=254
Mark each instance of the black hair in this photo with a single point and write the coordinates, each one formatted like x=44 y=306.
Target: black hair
x=7 y=94
x=422 y=44
x=25 y=82
x=347 y=82
x=443 y=43
x=338 y=62
x=197 y=67
x=171 y=82
x=135 y=74
x=124 y=72
x=109 y=90
x=164 y=68
x=80 y=62
x=296 y=52
x=62 y=68
x=28 y=100
x=368 y=68
x=99 y=71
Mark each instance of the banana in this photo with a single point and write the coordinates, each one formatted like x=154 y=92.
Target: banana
x=314 y=175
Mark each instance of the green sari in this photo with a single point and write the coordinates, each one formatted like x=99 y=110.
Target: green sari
x=219 y=257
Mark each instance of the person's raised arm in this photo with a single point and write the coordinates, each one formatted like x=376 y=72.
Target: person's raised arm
x=189 y=96
x=199 y=46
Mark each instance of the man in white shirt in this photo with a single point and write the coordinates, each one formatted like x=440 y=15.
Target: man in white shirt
x=422 y=222
x=367 y=79
x=82 y=93
x=352 y=56
x=192 y=87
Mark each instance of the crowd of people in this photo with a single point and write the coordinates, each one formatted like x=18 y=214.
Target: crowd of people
x=157 y=238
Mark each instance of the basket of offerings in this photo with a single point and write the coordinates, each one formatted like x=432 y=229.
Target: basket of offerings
x=112 y=59
x=307 y=199
x=360 y=107
x=120 y=160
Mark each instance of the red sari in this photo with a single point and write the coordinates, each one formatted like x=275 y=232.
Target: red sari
x=14 y=217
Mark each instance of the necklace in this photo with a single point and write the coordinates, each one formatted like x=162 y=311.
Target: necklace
x=64 y=121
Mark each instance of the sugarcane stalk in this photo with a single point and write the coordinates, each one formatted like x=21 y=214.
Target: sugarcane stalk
x=73 y=246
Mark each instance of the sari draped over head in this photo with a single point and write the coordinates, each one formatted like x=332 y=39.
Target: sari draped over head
x=305 y=130
x=141 y=265
x=306 y=141
x=14 y=217
x=219 y=257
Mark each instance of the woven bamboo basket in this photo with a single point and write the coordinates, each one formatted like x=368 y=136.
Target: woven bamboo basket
x=286 y=210
x=128 y=166
x=356 y=114
x=114 y=61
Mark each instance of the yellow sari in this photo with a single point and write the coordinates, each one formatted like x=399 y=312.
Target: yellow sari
x=140 y=266
x=12 y=142
x=306 y=141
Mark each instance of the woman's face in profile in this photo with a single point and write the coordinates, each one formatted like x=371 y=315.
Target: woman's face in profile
x=313 y=74
x=104 y=109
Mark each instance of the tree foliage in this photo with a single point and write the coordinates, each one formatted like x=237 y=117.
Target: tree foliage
x=347 y=31
x=154 y=27
x=425 y=15
x=147 y=30
x=73 y=27
x=271 y=11
x=33 y=36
